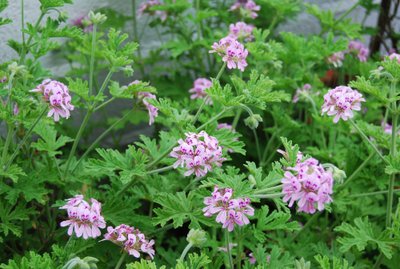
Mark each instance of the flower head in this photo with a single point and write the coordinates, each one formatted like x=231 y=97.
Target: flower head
x=229 y=211
x=84 y=218
x=199 y=87
x=241 y=31
x=336 y=59
x=130 y=239
x=341 y=102
x=56 y=94
x=84 y=23
x=248 y=7
x=309 y=185
x=197 y=153
x=232 y=52
x=360 y=49
x=305 y=90
x=153 y=111
x=146 y=6
x=394 y=56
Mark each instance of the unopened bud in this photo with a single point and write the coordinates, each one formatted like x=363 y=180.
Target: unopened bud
x=97 y=18
x=253 y=121
x=196 y=237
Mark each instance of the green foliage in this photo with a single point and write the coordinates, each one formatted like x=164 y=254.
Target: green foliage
x=275 y=220
x=46 y=4
x=144 y=264
x=362 y=235
x=195 y=262
x=14 y=172
x=177 y=208
x=10 y=215
x=336 y=263
x=49 y=141
x=31 y=261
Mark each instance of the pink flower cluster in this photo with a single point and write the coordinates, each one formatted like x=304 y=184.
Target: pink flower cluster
x=84 y=23
x=232 y=52
x=153 y=111
x=58 y=98
x=336 y=59
x=387 y=128
x=354 y=47
x=305 y=90
x=341 y=102
x=230 y=211
x=360 y=49
x=249 y=7
x=197 y=153
x=199 y=87
x=146 y=8
x=241 y=31
x=83 y=218
x=395 y=56
x=130 y=239
x=308 y=184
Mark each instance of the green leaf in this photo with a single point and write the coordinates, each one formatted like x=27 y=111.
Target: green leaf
x=79 y=87
x=177 y=208
x=144 y=264
x=53 y=3
x=224 y=95
x=366 y=86
x=394 y=164
x=126 y=165
x=362 y=235
x=30 y=261
x=276 y=220
x=325 y=263
x=49 y=141
x=10 y=215
x=14 y=172
x=196 y=261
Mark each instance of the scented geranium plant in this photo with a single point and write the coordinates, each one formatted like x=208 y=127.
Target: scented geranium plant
x=252 y=148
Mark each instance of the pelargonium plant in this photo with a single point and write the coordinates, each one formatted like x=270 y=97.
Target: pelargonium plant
x=199 y=134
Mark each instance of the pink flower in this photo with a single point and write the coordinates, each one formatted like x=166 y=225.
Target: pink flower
x=248 y=7
x=146 y=8
x=131 y=240
x=305 y=90
x=83 y=218
x=341 y=102
x=232 y=52
x=336 y=59
x=84 y=23
x=199 y=87
x=241 y=31
x=58 y=98
x=308 y=184
x=153 y=111
x=387 y=128
x=394 y=56
x=360 y=49
x=229 y=211
x=197 y=153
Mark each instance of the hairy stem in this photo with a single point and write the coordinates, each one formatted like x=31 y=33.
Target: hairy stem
x=92 y=57
x=228 y=249
x=22 y=142
x=121 y=260
x=185 y=251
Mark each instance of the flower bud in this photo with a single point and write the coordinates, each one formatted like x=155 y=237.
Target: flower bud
x=63 y=16
x=196 y=237
x=252 y=180
x=338 y=175
x=253 y=120
x=78 y=263
x=14 y=68
x=97 y=18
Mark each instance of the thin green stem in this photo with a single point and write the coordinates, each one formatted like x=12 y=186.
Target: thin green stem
x=266 y=190
x=106 y=132
x=366 y=139
x=105 y=83
x=22 y=142
x=216 y=117
x=268 y=146
x=104 y=104
x=239 y=241
x=121 y=260
x=305 y=226
x=162 y=169
x=28 y=43
x=393 y=152
x=7 y=144
x=196 y=117
x=373 y=193
x=228 y=249
x=185 y=251
x=358 y=170
x=268 y=196
x=136 y=37
x=76 y=141
x=236 y=118
x=344 y=15
x=257 y=146
x=92 y=58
